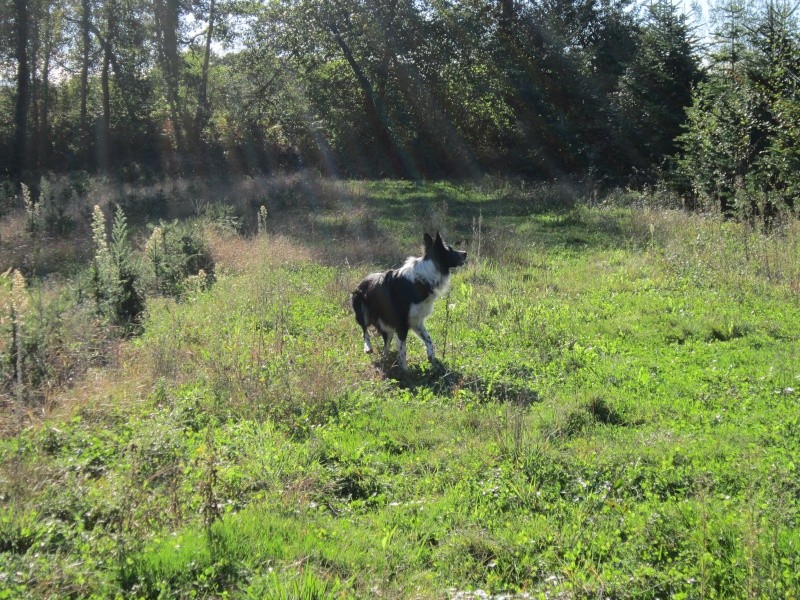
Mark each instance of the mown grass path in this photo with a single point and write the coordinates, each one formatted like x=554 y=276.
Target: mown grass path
x=616 y=416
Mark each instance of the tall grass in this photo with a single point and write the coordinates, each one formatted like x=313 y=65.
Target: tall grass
x=733 y=252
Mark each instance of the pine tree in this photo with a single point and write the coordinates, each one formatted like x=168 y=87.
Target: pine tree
x=657 y=86
x=743 y=132
x=774 y=75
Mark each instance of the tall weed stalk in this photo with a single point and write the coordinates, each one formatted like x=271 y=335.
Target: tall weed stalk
x=19 y=307
x=115 y=278
x=33 y=225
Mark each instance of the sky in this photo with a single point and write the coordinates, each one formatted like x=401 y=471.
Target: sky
x=699 y=13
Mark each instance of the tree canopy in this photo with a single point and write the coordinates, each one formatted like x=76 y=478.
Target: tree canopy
x=603 y=89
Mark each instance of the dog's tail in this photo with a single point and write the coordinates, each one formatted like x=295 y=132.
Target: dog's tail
x=357 y=300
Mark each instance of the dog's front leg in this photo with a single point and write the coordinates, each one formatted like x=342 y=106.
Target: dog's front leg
x=367 y=344
x=425 y=337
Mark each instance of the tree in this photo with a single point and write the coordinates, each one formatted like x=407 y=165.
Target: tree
x=741 y=140
x=732 y=18
x=203 y=111
x=656 y=88
x=167 y=34
x=86 y=48
x=774 y=73
x=50 y=42
x=23 y=95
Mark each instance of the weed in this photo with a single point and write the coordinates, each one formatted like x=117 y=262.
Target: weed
x=114 y=284
x=8 y=196
x=222 y=217
x=58 y=199
x=305 y=585
x=262 y=220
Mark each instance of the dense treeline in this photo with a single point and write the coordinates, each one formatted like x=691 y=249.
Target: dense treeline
x=608 y=90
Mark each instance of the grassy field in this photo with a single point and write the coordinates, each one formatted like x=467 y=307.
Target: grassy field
x=617 y=415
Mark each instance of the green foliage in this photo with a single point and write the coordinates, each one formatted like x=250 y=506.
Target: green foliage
x=296 y=586
x=178 y=259
x=741 y=135
x=367 y=88
x=656 y=88
x=59 y=199
x=8 y=196
x=33 y=211
x=222 y=217
x=262 y=220
x=115 y=284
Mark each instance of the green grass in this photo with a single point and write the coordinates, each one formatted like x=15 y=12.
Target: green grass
x=617 y=416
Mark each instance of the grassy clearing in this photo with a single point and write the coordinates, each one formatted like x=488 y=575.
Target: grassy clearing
x=618 y=414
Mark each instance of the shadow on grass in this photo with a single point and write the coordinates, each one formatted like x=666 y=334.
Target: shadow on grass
x=444 y=380
x=380 y=223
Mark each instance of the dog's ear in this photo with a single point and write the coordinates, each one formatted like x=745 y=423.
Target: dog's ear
x=439 y=240
x=428 y=243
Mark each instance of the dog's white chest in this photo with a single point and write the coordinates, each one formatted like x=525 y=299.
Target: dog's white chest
x=419 y=312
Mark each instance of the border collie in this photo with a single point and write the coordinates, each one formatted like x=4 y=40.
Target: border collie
x=401 y=299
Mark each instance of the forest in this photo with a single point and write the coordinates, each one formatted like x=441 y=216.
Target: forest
x=615 y=92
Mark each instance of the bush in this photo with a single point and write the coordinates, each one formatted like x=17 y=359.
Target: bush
x=8 y=196
x=222 y=217
x=178 y=259
x=55 y=202
x=57 y=197
x=114 y=276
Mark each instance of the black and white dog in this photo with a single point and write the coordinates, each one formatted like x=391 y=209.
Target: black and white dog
x=401 y=299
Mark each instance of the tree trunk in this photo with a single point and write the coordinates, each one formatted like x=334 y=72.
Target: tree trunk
x=203 y=110
x=22 y=102
x=86 y=41
x=35 y=123
x=167 y=14
x=376 y=111
x=43 y=140
x=105 y=153
x=104 y=138
x=507 y=16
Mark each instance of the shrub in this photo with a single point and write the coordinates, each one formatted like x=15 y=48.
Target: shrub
x=114 y=275
x=33 y=210
x=262 y=220
x=7 y=196
x=143 y=205
x=222 y=217
x=55 y=202
x=14 y=303
x=178 y=259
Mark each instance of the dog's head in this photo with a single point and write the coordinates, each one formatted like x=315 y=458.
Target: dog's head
x=444 y=256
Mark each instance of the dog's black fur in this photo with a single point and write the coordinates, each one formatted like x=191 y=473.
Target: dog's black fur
x=400 y=300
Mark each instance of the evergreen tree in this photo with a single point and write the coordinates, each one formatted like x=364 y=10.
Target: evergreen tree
x=774 y=75
x=740 y=148
x=657 y=87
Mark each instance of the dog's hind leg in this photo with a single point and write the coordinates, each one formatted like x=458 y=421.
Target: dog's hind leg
x=362 y=318
x=387 y=334
x=387 y=342
x=402 y=336
x=401 y=354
